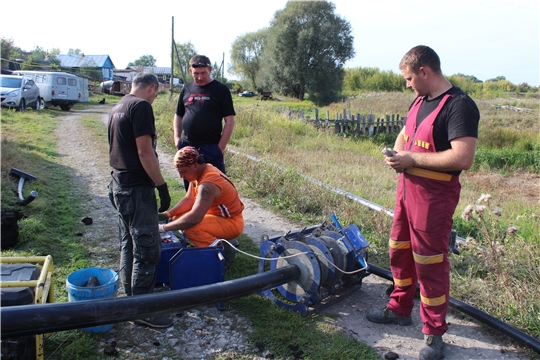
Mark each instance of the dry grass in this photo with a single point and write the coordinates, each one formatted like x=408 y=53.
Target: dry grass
x=498 y=272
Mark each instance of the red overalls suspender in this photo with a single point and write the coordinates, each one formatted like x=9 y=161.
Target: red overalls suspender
x=418 y=245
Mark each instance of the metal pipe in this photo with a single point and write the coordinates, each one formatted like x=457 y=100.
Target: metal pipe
x=22 y=177
x=516 y=334
x=40 y=319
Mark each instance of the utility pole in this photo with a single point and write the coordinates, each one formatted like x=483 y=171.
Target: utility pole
x=171 y=80
x=223 y=68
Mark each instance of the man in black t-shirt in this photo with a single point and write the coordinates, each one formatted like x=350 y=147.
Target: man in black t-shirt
x=135 y=175
x=202 y=107
x=436 y=144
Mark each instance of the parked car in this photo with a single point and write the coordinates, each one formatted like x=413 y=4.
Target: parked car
x=248 y=94
x=18 y=92
x=58 y=88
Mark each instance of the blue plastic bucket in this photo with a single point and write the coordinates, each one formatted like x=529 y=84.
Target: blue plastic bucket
x=77 y=291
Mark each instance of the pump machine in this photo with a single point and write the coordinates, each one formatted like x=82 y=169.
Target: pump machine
x=332 y=260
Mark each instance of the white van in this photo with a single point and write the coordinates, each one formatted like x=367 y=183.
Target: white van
x=58 y=88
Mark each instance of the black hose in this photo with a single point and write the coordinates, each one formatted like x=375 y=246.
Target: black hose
x=25 y=320
x=516 y=334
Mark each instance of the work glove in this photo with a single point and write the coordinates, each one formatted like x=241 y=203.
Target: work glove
x=164 y=197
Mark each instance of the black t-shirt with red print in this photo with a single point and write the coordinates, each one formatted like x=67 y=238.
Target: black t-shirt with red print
x=203 y=109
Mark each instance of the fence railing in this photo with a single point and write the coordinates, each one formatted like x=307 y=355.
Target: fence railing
x=348 y=123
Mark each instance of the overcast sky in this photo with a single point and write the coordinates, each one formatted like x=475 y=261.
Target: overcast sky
x=485 y=39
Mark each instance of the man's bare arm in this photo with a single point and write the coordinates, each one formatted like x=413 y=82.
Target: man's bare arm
x=184 y=205
x=226 y=133
x=459 y=157
x=177 y=129
x=148 y=159
x=400 y=141
x=205 y=197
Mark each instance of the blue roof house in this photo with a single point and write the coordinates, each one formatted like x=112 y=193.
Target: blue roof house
x=102 y=62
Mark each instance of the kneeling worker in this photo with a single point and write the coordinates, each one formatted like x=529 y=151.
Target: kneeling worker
x=211 y=208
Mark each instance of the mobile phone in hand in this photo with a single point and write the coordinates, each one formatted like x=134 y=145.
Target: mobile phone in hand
x=388 y=152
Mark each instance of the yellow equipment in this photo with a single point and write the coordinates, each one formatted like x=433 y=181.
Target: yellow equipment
x=43 y=287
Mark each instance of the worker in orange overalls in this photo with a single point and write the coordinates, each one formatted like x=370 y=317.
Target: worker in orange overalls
x=211 y=208
x=436 y=144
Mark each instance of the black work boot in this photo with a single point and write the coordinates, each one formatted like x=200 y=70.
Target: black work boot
x=433 y=348
x=387 y=316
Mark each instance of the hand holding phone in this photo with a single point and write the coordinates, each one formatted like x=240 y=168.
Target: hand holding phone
x=388 y=152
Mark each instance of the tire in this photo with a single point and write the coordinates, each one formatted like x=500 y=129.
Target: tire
x=40 y=104
x=65 y=107
x=22 y=105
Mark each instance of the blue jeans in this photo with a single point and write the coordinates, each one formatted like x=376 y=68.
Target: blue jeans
x=211 y=153
x=140 y=242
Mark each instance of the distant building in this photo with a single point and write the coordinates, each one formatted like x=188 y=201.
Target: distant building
x=124 y=74
x=163 y=73
x=103 y=63
x=121 y=82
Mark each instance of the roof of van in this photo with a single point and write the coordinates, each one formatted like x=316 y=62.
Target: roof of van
x=12 y=76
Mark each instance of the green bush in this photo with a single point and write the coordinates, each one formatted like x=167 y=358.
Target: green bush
x=507 y=159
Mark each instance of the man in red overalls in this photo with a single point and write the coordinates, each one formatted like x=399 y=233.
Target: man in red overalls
x=436 y=144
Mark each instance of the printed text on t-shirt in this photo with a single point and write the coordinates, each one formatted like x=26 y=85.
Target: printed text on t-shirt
x=197 y=97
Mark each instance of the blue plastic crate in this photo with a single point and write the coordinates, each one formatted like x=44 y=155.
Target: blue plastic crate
x=192 y=267
x=168 y=250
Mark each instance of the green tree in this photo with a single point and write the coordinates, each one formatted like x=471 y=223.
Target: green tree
x=372 y=79
x=217 y=73
x=498 y=78
x=8 y=52
x=145 y=60
x=246 y=54
x=307 y=46
x=74 y=51
x=33 y=61
x=182 y=54
x=469 y=77
x=39 y=54
x=55 y=62
x=467 y=83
